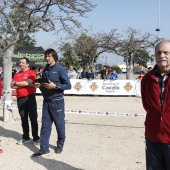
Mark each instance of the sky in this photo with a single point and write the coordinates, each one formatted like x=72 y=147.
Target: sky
x=142 y=15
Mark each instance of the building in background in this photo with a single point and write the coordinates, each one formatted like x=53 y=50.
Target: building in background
x=123 y=67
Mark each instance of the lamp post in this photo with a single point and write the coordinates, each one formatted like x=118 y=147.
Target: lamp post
x=101 y=63
x=105 y=57
x=158 y=29
x=106 y=60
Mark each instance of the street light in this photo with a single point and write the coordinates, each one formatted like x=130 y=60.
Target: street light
x=106 y=60
x=100 y=64
x=158 y=29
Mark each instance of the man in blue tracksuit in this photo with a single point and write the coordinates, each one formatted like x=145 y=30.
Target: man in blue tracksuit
x=53 y=103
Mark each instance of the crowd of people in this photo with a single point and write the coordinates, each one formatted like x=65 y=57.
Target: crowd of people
x=88 y=74
x=85 y=74
x=110 y=74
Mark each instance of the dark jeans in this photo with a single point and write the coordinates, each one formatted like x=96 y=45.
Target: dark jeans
x=27 y=106
x=157 y=156
x=53 y=111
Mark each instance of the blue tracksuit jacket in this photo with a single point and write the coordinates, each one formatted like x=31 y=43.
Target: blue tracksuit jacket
x=58 y=75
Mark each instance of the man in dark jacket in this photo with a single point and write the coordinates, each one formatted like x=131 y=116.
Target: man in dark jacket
x=155 y=90
x=84 y=73
x=103 y=73
x=53 y=103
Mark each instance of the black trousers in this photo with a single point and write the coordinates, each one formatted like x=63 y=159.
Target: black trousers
x=27 y=107
x=157 y=155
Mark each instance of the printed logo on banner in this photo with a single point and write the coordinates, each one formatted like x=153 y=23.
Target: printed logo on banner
x=78 y=86
x=128 y=86
x=93 y=86
x=111 y=86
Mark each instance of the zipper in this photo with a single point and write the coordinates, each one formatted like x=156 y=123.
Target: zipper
x=161 y=116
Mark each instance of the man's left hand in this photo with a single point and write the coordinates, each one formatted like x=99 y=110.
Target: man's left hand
x=50 y=85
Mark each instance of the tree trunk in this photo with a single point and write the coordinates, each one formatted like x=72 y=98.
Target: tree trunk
x=129 y=70
x=7 y=77
x=92 y=65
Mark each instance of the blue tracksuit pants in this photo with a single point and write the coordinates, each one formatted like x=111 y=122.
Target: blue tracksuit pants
x=53 y=111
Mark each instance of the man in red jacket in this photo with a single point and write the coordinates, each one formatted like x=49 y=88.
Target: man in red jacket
x=155 y=90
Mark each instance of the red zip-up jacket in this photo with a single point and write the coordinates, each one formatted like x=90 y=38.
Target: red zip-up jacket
x=157 y=123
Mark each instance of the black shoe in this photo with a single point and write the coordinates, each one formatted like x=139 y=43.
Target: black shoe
x=41 y=153
x=58 y=150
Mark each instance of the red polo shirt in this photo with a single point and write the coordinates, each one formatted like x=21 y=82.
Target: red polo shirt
x=23 y=76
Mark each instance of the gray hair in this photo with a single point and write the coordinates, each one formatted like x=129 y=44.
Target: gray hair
x=160 y=42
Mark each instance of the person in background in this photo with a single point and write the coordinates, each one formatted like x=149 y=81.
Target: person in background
x=41 y=70
x=72 y=73
x=1 y=88
x=90 y=74
x=26 y=100
x=84 y=73
x=1 y=73
x=13 y=71
x=103 y=73
x=53 y=104
x=110 y=70
x=38 y=75
x=113 y=75
x=106 y=76
x=155 y=91
x=149 y=68
x=1 y=151
x=140 y=77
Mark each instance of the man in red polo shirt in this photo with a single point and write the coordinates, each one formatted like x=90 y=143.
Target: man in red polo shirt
x=26 y=100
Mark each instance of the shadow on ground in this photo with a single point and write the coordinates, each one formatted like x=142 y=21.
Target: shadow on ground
x=49 y=164
x=17 y=136
x=52 y=164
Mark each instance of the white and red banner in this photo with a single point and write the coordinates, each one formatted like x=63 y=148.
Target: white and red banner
x=103 y=87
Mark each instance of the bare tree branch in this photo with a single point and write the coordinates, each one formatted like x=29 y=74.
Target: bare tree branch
x=47 y=15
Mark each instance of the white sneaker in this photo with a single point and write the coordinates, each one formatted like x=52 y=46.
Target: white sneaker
x=36 y=142
x=22 y=141
x=41 y=153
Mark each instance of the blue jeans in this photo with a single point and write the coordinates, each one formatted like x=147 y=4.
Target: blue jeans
x=53 y=111
x=157 y=156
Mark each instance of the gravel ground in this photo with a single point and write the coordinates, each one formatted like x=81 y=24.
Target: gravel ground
x=93 y=142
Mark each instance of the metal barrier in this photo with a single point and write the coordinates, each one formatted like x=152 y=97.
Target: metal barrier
x=8 y=105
